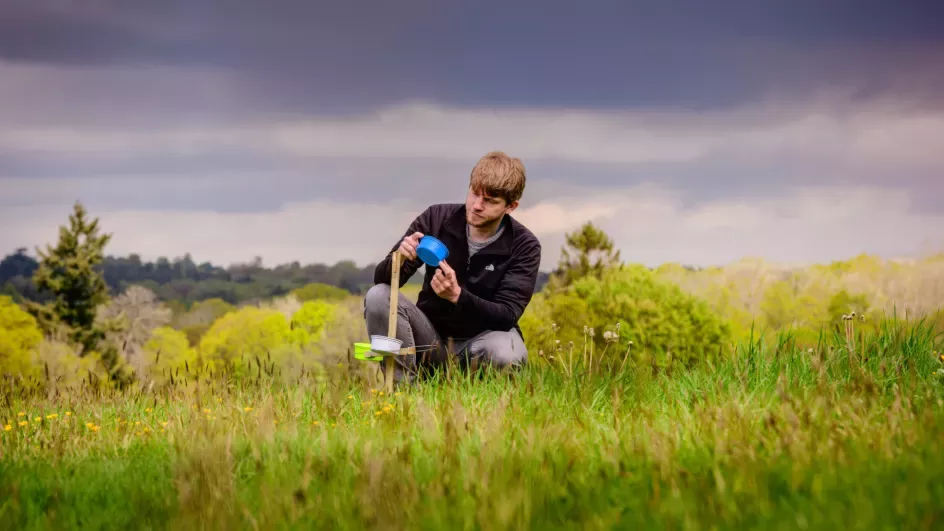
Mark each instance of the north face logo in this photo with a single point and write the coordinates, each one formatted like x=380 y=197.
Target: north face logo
x=490 y=267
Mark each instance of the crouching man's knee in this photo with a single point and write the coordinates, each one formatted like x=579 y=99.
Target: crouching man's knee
x=377 y=300
x=501 y=350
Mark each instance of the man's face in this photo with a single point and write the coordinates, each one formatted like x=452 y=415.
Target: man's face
x=483 y=210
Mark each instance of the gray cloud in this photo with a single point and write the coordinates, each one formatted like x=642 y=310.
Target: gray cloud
x=340 y=58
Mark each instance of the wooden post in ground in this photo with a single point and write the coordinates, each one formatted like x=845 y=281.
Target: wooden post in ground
x=392 y=321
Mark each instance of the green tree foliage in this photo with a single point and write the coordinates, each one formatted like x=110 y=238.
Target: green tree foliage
x=195 y=322
x=319 y=291
x=311 y=321
x=20 y=336
x=587 y=251
x=787 y=307
x=166 y=351
x=240 y=337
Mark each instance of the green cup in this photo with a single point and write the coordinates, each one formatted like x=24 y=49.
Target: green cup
x=362 y=351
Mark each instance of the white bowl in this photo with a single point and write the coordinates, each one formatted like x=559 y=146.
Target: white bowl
x=385 y=344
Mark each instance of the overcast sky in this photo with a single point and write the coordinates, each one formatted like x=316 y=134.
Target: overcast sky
x=691 y=131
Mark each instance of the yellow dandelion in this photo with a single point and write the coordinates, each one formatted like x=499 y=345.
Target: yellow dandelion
x=37 y=419
x=21 y=414
x=89 y=424
x=315 y=423
x=247 y=409
x=378 y=413
x=349 y=397
x=7 y=428
x=52 y=416
x=68 y=413
x=146 y=430
x=147 y=410
x=23 y=423
x=138 y=423
x=164 y=423
x=205 y=410
x=373 y=391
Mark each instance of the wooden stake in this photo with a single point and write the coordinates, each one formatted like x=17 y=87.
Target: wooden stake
x=392 y=322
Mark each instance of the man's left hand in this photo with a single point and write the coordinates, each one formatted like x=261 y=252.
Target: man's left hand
x=444 y=283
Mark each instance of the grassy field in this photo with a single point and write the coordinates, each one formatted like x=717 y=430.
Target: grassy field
x=842 y=437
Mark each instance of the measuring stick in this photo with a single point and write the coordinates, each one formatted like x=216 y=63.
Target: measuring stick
x=392 y=322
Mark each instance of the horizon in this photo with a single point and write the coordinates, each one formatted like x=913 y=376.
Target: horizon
x=797 y=134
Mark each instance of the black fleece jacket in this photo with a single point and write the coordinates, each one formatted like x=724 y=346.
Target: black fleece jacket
x=497 y=282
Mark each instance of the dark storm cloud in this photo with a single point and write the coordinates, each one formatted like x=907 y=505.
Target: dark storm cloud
x=300 y=55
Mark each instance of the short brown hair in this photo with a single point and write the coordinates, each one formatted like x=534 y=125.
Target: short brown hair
x=499 y=175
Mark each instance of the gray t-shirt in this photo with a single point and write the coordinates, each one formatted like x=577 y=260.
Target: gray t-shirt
x=475 y=247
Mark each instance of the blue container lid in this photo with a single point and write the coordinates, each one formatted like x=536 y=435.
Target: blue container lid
x=431 y=251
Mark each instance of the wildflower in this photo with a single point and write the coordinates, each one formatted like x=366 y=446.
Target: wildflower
x=68 y=413
x=378 y=413
x=398 y=393
x=23 y=423
x=247 y=409
x=52 y=416
x=205 y=410
x=315 y=423
x=164 y=423
x=21 y=414
x=147 y=410
x=350 y=396
x=7 y=428
x=37 y=419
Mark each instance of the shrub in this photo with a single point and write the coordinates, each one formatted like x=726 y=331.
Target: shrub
x=20 y=337
x=658 y=317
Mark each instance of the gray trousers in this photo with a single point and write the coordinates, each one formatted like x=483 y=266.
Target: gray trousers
x=500 y=349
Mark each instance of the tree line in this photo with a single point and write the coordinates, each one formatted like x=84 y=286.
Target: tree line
x=183 y=281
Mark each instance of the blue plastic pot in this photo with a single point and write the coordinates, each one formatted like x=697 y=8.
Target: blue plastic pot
x=431 y=251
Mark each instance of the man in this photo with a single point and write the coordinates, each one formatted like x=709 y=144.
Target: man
x=475 y=297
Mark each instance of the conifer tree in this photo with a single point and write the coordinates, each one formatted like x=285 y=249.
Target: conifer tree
x=67 y=272
x=587 y=251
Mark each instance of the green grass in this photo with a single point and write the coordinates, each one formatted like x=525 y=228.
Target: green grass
x=772 y=438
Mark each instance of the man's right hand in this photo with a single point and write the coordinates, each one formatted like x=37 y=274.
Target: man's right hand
x=408 y=245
